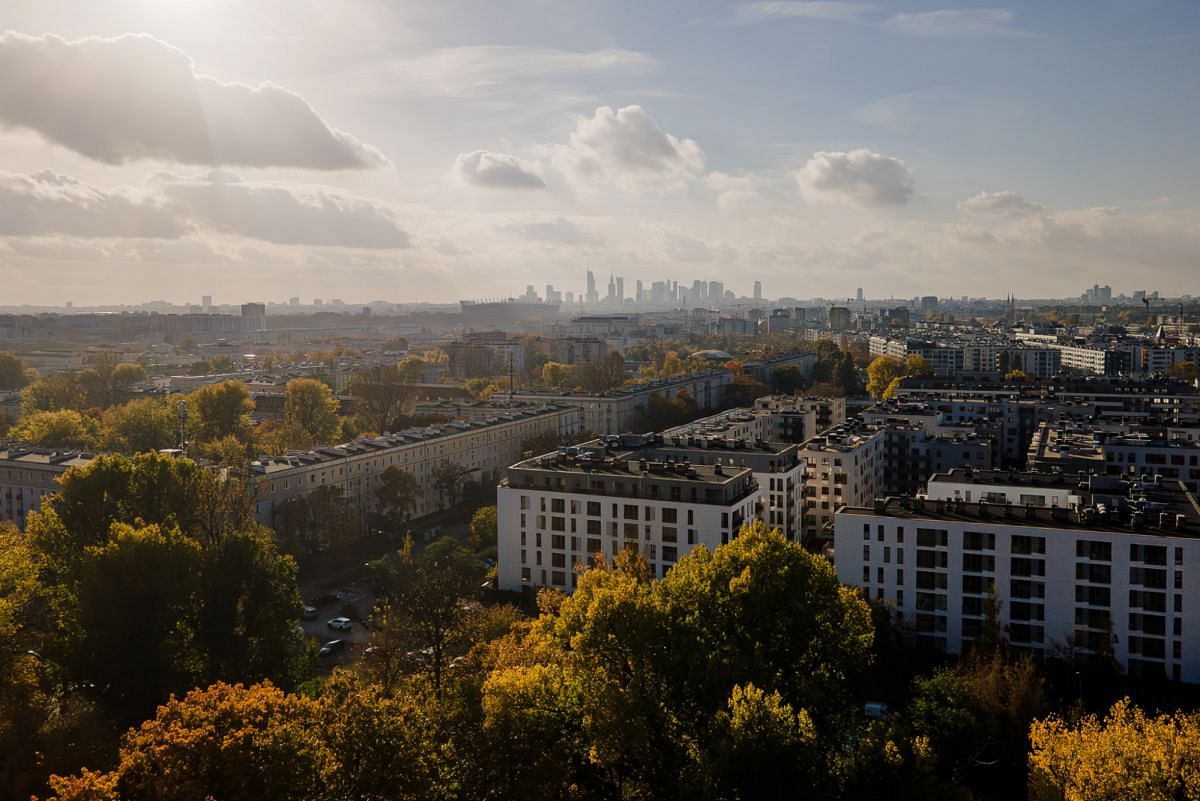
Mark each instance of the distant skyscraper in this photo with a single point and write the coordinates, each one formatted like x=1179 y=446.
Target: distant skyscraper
x=206 y=303
x=620 y=289
x=293 y=301
x=612 y=287
x=254 y=317
x=758 y=290
x=860 y=295
x=637 y=296
x=592 y=295
x=716 y=292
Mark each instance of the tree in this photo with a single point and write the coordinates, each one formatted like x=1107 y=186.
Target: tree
x=308 y=524
x=221 y=410
x=397 y=493
x=787 y=380
x=381 y=396
x=13 y=372
x=484 y=527
x=846 y=376
x=125 y=375
x=423 y=596
x=1128 y=755
x=448 y=478
x=1185 y=371
x=311 y=410
x=603 y=375
x=976 y=715
x=1019 y=376
x=227 y=741
x=61 y=429
x=55 y=391
x=917 y=364
x=880 y=374
x=141 y=425
x=558 y=376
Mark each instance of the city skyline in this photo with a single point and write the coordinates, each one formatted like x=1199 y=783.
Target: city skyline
x=423 y=153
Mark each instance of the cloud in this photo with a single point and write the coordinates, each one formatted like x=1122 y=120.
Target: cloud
x=751 y=13
x=626 y=148
x=857 y=178
x=284 y=215
x=477 y=70
x=734 y=190
x=1001 y=203
x=136 y=97
x=44 y=204
x=498 y=171
x=953 y=23
x=558 y=231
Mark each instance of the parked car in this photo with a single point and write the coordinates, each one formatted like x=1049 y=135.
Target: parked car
x=308 y=613
x=339 y=623
x=332 y=647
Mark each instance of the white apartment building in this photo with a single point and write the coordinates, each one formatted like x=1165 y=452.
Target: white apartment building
x=1106 y=567
x=844 y=467
x=561 y=510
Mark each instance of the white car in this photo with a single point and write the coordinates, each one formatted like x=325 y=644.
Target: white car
x=339 y=623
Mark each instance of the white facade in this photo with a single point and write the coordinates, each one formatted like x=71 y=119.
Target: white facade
x=1064 y=586
x=844 y=468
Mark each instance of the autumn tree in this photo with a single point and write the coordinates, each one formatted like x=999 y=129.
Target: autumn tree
x=880 y=374
x=65 y=428
x=448 y=479
x=220 y=410
x=558 y=376
x=149 y=424
x=13 y=372
x=916 y=364
x=1127 y=755
x=382 y=396
x=311 y=411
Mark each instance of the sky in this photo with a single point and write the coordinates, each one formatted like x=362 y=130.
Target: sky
x=433 y=151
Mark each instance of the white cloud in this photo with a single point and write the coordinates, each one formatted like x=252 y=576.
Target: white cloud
x=557 y=231
x=135 y=97
x=284 y=215
x=478 y=70
x=627 y=148
x=857 y=178
x=734 y=190
x=763 y=12
x=496 y=170
x=1000 y=203
x=954 y=23
x=44 y=204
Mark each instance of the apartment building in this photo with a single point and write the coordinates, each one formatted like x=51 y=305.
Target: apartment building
x=844 y=467
x=624 y=409
x=480 y=446
x=28 y=474
x=1079 y=566
x=562 y=509
x=797 y=418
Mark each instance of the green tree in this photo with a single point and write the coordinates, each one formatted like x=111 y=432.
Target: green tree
x=220 y=410
x=846 y=376
x=52 y=393
x=423 y=595
x=880 y=374
x=448 y=479
x=13 y=372
x=311 y=410
x=62 y=429
x=140 y=425
x=397 y=494
x=126 y=375
x=484 y=527
x=787 y=380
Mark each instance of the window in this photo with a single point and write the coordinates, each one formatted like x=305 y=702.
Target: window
x=593 y=508
x=1094 y=550
x=979 y=541
x=631 y=511
x=1024 y=545
x=670 y=515
x=932 y=538
x=866 y=553
x=1096 y=574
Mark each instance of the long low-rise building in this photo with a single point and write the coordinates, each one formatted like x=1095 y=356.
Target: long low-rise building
x=1079 y=566
x=625 y=409
x=480 y=447
x=28 y=474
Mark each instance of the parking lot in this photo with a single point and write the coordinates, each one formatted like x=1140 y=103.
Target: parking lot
x=356 y=595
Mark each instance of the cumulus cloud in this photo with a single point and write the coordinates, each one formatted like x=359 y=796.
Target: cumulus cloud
x=1001 y=203
x=44 y=204
x=498 y=171
x=284 y=215
x=858 y=178
x=136 y=97
x=733 y=190
x=626 y=148
x=954 y=23
x=558 y=231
